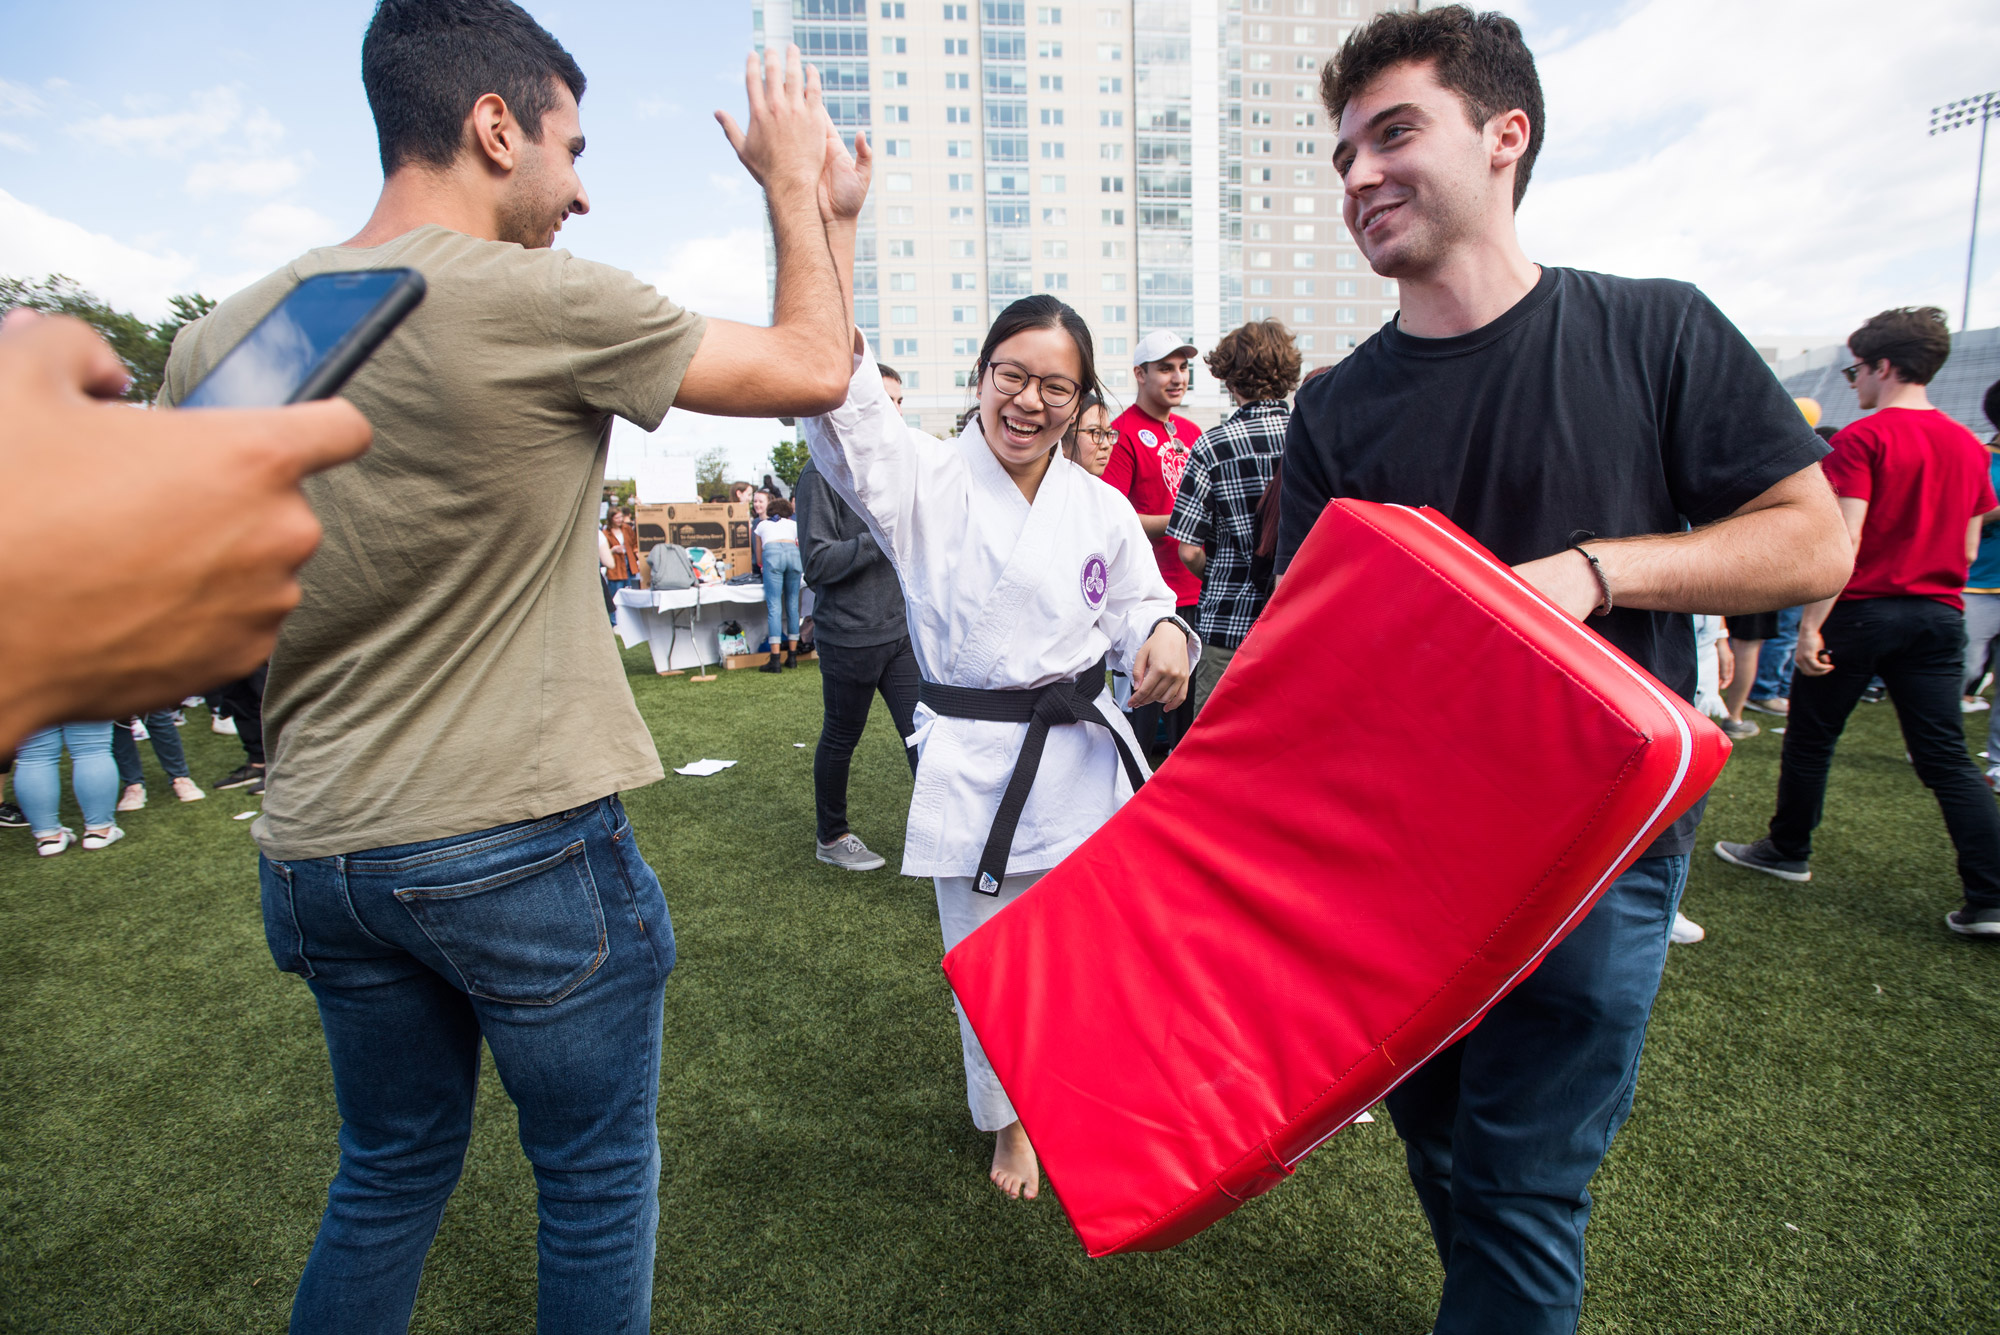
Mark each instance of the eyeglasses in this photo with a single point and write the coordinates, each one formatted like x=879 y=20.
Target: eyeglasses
x=1010 y=380
x=1098 y=435
x=1852 y=371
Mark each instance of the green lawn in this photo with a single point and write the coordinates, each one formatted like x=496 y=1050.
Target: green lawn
x=1814 y=1145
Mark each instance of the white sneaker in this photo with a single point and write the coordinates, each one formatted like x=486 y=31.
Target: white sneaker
x=225 y=726
x=104 y=838
x=185 y=790
x=1686 y=931
x=1973 y=705
x=133 y=798
x=48 y=845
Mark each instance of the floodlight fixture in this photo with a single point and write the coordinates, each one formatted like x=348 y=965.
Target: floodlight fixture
x=1961 y=115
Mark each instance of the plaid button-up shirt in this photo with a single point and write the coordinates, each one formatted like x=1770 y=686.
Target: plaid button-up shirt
x=1217 y=505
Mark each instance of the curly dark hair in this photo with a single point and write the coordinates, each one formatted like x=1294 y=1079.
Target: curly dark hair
x=1915 y=340
x=1259 y=360
x=1481 y=57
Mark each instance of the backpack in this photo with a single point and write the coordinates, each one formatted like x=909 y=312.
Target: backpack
x=668 y=567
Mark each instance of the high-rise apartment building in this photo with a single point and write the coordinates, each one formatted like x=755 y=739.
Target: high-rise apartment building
x=1155 y=163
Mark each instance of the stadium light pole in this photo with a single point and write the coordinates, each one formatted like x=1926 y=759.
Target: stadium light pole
x=1968 y=111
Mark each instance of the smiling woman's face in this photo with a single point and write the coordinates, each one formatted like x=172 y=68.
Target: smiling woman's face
x=1022 y=428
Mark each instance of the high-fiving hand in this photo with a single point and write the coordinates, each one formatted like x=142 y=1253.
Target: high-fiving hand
x=843 y=181
x=784 y=147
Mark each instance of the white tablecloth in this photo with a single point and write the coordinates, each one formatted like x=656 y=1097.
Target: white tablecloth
x=681 y=624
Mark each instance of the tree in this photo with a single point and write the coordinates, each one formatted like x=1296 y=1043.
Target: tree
x=142 y=347
x=711 y=473
x=788 y=460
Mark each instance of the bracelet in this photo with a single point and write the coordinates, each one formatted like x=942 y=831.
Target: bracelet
x=1603 y=584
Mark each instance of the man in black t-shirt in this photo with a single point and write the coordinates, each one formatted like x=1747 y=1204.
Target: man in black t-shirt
x=1626 y=450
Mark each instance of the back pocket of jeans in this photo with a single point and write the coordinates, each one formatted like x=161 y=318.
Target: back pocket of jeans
x=528 y=935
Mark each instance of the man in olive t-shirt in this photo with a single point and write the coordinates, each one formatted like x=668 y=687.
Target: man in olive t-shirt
x=445 y=858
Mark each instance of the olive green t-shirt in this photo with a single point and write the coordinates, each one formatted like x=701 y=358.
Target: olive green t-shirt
x=449 y=668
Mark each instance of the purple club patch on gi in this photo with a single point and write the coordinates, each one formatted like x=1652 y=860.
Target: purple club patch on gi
x=1096 y=579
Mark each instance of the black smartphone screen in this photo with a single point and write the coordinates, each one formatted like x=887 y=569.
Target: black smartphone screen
x=318 y=336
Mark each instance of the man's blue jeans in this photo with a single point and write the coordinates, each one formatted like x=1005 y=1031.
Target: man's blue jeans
x=550 y=940
x=1774 y=660
x=1504 y=1129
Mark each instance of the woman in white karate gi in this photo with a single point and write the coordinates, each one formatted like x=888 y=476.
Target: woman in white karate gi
x=1021 y=573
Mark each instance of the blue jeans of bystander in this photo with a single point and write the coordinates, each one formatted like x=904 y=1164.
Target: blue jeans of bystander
x=550 y=940
x=93 y=776
x=1774 y=661
x=783 y=573
x=166 y=740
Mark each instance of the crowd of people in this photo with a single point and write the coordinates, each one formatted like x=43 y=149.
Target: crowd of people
x=443 y=855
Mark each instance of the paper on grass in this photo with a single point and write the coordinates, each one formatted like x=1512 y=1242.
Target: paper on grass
x=701 y=769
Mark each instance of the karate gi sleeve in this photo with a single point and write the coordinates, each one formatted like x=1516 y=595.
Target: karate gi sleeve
x=1136 y=598
x=880 y=465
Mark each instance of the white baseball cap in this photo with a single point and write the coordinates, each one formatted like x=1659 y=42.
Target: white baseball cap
x=1160 y=344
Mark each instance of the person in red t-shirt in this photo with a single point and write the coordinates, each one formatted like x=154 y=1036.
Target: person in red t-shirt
x=1913 y=486
x=1146 y=467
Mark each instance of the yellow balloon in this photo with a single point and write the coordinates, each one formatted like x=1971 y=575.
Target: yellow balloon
x=1810 y=407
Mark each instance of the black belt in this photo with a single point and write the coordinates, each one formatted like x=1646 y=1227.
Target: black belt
x=1041 y=708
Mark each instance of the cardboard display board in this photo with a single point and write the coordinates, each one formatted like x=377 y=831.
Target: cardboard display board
x=723 y=528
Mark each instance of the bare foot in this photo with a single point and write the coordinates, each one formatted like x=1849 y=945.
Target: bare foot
x=1015 y=1170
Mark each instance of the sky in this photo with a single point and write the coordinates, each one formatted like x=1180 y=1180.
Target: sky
x=1775 y=154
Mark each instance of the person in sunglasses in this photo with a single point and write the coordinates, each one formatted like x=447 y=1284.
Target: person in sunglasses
x=1023 y=577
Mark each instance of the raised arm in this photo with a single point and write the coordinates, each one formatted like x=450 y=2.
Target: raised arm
x=798 y=365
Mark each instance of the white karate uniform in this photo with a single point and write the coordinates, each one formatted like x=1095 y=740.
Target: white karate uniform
x=1000 y=594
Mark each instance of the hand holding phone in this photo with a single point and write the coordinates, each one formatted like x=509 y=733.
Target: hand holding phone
x=314 y=339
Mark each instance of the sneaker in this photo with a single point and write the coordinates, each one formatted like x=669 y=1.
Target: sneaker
x=11 y=817
x=1970 y=921
x=180 y=718
x=1777 y=704
x=104 y=838
x=48 y=845
x=1973 y=705
x=256 y=785
x=186 y=791
x=225 y=726
x=848 y=851
x=193 y=702
x=245 y=773
x=133 y=798
x=1686 y=931
x=1874 y=695
x=1992 y=781
x=1760 y=856
x=1737 y=729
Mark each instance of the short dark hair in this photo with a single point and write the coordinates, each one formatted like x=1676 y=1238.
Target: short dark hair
x=1259 y=360
x=425 y=62
x=889 y=372
x=1991 y=403
x=1044 y=312
x=1481 y=57
x=1915 y=340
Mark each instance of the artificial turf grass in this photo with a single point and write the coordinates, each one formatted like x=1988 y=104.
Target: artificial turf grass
x=166 y=1123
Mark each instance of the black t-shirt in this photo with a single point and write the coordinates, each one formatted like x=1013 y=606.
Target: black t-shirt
x=1614 y=406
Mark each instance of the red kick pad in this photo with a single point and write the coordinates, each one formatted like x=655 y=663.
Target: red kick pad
x=1416 y=777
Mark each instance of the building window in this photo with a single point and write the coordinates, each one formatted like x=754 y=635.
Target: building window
x=1302 y=231
x=1048 y=50
x=1055 y=217
x=1048 y=16
x=954 y=13
x=892 y=9
x=1259 y=88
x=1343 y=315
x=961 y=379
x=958 y=115
x=1105 y=84
x=1055 y=185
x=1116 y=378
x=954 y=46
x=1109 y=53
x=902 y=282
x=1343 y=287
x=1305 y=342
x=1114 y=315
x=1304 y=118
x=1261 y=176
x=964 y=250
x=1303 y=176
x=1260 y=60
x=965 y=347
x=958 y=148
x=1260 y=259
x=1304 y=259
x=965 y=282
x=1055 y=250
x=903 y=249
x=902 y=215
x=896 y=148
x=1260 y=287
x=1302 y=148
x=1111 y=152
x=1111 y=282
x=1303 y=287
x=895 y=79
x=1302 y=62
x=1116 y=347
x=1055 y=282
x=1052 y=116
x=1113 y=217
x=1344 y=260
x=1051 y=149
x=1257 y=203
x=898 y=181
x=1349 y=341
x=903 y=347
x=1259 y=146
x=1052 y=83
x=1260 y=231
x=957 y=83
x=1304 y=37
x=961 y=213
x=1302 y=315
x=965 y=315
x=1111 y=185
x=895 y=46
x=958 y=181
x=1260 y=118
x=895 y=115
x=902 y=315
x=1107 y=18
x=1258 y=313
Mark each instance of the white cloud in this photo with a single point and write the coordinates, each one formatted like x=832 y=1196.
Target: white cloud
x=20 y=143
x=244 y=176
x=717 y=275
x=19 y=100
x=278 y=232
x=212 y=113
x=1776 y=155
x=34 y=243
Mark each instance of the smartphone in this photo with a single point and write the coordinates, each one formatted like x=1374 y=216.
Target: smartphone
x=318 y=336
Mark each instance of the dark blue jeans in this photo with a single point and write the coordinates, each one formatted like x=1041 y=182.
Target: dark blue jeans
x=1774 y=661
x=1504 y=1129
x=550 y=940
x=166 y=739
